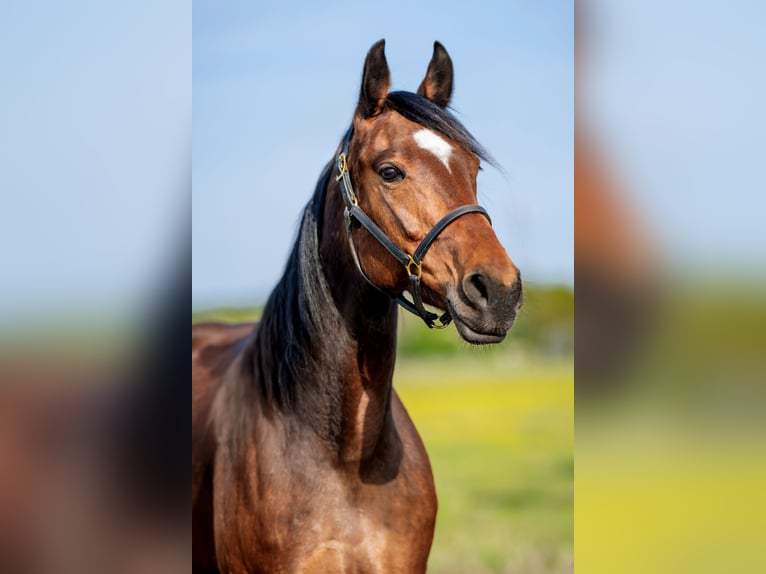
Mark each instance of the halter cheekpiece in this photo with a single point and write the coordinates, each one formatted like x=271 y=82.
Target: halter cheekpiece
x=413 y=264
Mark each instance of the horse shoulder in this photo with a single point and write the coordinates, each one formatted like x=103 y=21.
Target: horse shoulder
x=215 y=346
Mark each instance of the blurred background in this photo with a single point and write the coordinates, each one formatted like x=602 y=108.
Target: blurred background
x=95 y=150
x=275 y=86
x=671 y=313
x=95 y=271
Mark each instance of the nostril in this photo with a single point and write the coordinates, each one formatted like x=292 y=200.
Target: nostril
x=475 y=287
x=478 y=283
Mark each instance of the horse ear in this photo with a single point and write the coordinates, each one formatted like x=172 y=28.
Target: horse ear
x=375 y=82
x=437 y=85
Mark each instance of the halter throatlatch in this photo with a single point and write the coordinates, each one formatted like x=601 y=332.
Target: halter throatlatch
x=413 y=264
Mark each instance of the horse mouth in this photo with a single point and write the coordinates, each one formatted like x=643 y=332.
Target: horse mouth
x=473 y=334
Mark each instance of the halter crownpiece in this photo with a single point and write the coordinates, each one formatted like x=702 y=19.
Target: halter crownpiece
x=413 y=264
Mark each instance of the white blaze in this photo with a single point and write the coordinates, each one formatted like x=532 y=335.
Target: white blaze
x=428 y=140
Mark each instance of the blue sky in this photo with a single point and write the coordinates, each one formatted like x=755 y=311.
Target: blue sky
x=675 y=91
x=275 y=85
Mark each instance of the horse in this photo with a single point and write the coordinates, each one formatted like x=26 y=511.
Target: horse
x=304 y=458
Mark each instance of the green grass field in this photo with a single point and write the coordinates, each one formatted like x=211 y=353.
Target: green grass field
x=500 y=439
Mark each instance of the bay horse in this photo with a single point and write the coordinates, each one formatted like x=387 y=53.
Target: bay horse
x=303 y=457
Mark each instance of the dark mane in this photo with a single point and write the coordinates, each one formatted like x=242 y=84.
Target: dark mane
x=299 y=312
x=424 y=112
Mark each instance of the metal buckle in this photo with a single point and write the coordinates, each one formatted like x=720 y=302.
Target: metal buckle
x=418 y=267
x=342 y=166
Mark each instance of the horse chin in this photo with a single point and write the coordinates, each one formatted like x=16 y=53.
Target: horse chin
x=473 y=334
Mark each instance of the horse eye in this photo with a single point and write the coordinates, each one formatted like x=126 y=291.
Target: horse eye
x=390 y=173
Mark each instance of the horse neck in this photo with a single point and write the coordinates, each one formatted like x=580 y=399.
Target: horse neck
x=370 y=321
x=325 y=349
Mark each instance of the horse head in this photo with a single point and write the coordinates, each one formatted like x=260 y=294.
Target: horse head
x=411 y=170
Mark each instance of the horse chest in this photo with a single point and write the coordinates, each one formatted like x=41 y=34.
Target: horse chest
x=313 y=520
x=353 y=527
x=347 y=540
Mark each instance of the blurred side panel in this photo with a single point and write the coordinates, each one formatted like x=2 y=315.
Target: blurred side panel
x=95 y=157
x=671 y=291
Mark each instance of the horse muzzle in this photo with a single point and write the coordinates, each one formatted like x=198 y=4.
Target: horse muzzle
x=483 y=307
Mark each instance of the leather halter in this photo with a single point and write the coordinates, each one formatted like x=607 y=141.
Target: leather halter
x=413 y=264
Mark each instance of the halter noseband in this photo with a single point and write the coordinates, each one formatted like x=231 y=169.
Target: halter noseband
x=412 y=263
